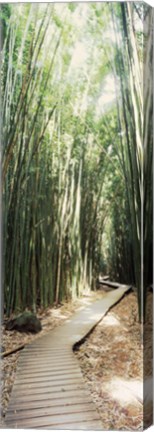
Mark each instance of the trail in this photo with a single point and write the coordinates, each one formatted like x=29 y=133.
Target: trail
x=49 y=390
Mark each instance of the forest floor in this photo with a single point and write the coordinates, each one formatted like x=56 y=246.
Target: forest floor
x=110 y=358
x=113 y=365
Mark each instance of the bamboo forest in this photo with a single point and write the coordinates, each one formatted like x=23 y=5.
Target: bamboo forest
x=77 y=197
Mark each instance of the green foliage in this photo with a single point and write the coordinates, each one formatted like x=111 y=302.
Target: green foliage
x=70 y=169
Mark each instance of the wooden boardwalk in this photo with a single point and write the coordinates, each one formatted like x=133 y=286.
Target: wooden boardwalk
x=49 y=390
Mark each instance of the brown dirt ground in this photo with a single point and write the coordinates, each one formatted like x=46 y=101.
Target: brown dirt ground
x=110 y=358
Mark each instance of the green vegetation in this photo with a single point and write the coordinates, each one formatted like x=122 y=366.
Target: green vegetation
x=77 y=149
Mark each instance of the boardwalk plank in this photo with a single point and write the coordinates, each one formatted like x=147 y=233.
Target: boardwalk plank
x=54 y=420
x=51 y=383
x=16 y=406
x=47 y=373
x=53 y=370
x=52 y=366
x=40 y=361
x=84 y=425
x=62 y=409
x=53 y=400
x=47 y=395
x=47 y=390
x=46 y=378
x=51 y=355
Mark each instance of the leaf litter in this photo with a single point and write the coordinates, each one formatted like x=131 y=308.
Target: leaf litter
x=112 y=361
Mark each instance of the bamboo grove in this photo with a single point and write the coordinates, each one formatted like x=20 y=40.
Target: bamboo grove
x=74 y=167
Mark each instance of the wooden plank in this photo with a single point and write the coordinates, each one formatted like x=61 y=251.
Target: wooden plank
x=81 y=425
x=51 y=348
x=64 y=386
x=49 y=368
x=36 y=359
x=48 y=363
x=54 y=356
x=54 y=420
x=44 y=369
x=55 y=381
x=51 y=364
x=43 y=411
x=38 y=356
x=28 y=400
x=49 y=372
x=32 y=348
x=47 y=377
x=47 y=360
x=44 y=364
x=50 y=354
x=48 y=343
x=47 y=389
x=54 y=402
